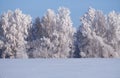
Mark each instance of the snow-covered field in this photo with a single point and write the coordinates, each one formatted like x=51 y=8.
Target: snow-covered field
x=60 y=68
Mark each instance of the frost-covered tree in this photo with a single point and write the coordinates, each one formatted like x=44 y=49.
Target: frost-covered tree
x=92 y=35
x=113 y=33
x=55 y=35
x=44 y=31
x=66 y=31
x=14 y=27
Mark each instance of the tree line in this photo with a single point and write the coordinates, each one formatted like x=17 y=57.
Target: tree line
x=54 y=36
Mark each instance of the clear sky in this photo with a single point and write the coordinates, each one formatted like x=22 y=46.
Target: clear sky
x=77 y=7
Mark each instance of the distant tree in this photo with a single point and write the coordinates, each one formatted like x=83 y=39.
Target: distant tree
x=113 y=33
x=14 y=27
x=66 y=32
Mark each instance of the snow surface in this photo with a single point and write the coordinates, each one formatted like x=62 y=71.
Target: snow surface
x=60 y=68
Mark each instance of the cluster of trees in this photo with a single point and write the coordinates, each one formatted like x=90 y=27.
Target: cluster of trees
x=53 y=35
x=99 y=35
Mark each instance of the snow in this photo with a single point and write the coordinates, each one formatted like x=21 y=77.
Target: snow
x=60 y=68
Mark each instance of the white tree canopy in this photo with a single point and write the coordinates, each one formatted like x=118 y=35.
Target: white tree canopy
x=55 y=35
x=98 y=35
x=14 y=26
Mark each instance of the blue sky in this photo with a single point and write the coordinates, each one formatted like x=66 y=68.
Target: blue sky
x=77 y=7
